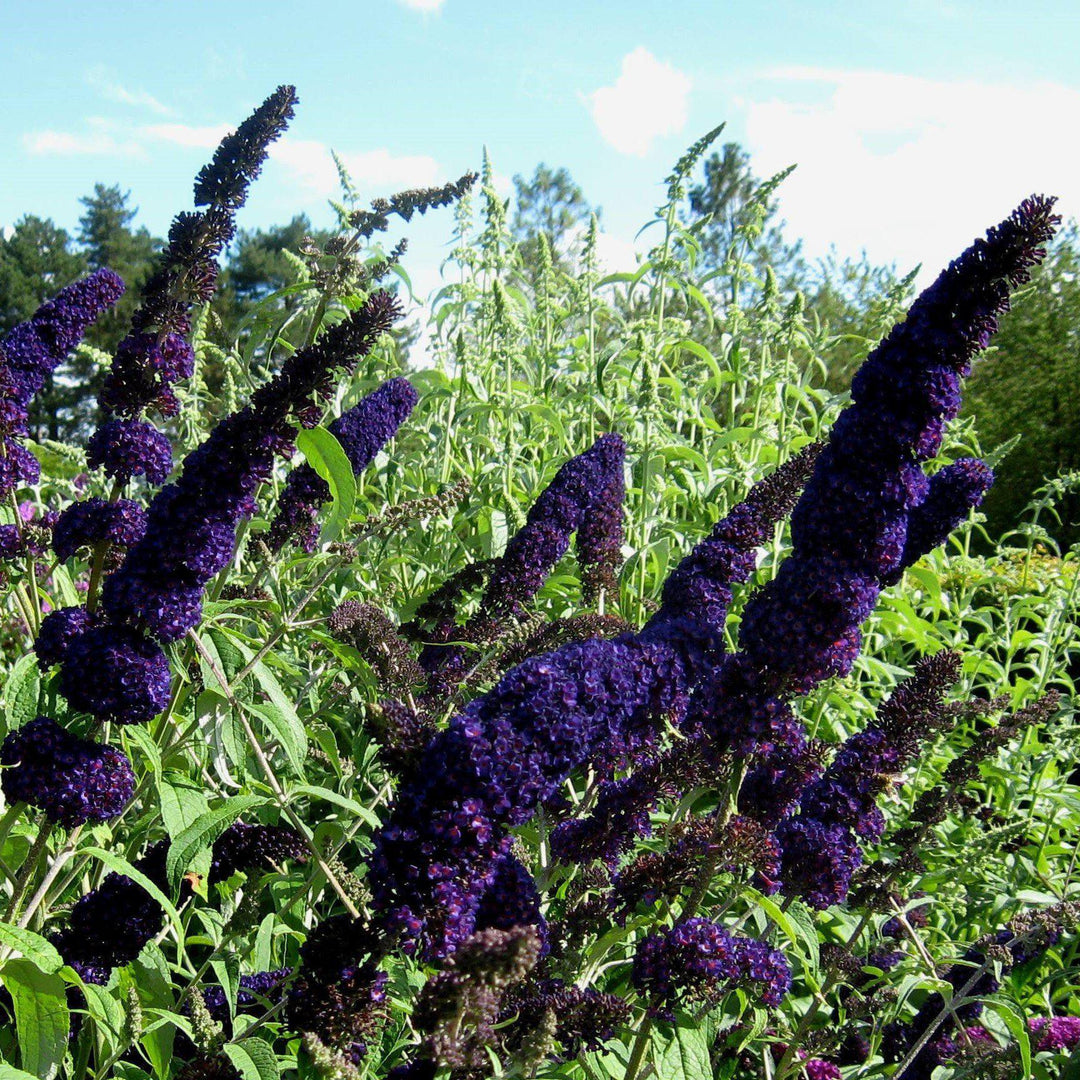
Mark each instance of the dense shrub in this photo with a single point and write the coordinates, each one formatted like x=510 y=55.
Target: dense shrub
x=321 y=759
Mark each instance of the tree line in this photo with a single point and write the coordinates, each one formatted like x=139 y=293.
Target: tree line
x=1026 y=384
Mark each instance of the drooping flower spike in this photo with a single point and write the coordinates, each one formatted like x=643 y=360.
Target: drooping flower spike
x=72 y=780
x=362 y=431
x=506 y=752
x=584 y=497
x=116 y=668
x=869 y=509
x=699 y=956
x=820 y=846
x=191 y=524
x=31 y=351
x=110 y=925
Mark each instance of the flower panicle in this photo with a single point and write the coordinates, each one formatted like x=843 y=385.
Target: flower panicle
x=820 y=847
x=459 y=1007
x=31 y=351
x=110 y=925
x=406 y=203
x=72 y=780
x=239 y=157
x=362 y=432
x=191 y=524
x=585 y=496
x=698 y=957
x=698 y=593
x=156 y=353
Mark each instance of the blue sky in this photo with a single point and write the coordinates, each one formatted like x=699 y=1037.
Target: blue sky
x=914 y=125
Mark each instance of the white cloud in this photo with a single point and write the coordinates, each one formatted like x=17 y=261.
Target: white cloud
x=104 y=81
x=374 y=172
x=910 y=168
x=648 y=100
x=203 y=138
x=422 y=5
x=99 y=140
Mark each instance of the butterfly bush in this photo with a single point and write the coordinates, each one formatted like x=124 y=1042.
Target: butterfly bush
x=31 y=352
x=156 y=354
x=585 y=498
x=362 y=431
x=72 y=780
x=589 y=829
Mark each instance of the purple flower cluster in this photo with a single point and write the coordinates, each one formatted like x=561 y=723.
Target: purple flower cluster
x=821 y=846
x=85 y=524
x=250 y=847
x=265 y=985
x=339 y=990
x=698 y=593
x=71 y=780
x=192 y=524
x=58 y=630
x=623 y=807
x=109 y=926
x=362 y=432
x=951 y=494
x=699 y=956
x=142 y=373
x=622 y=813
x=115 y=673
x=512 y=899
x=851 y=530
x=130 y=448
x=156 y=353
x=585 y=1019
x=30 y=353
x=1058 y=1034
x=506 y=752
x=586 y=497
x=820 y=1069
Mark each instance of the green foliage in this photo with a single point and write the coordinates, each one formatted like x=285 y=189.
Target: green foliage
x=1027 y=386
x=708 y=357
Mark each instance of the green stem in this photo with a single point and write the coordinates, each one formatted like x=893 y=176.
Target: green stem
x=641 y=1044
x=26 y=871
x=271 y=778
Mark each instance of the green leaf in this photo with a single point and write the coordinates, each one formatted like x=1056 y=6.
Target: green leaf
x=201 y=834
x=315 y=792
x=182 y=802
x=9 y=1072
x=107 y=1012
x=326 y=456
x=230 y=657
x=286 y=724
x=290 y=736
x=32 y=946
x=684 y=1057
x=253 y=1059
x=122 y=866
x=41 y=1016
x=227 y=971
x=1017 y=1028
x=21 y=692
